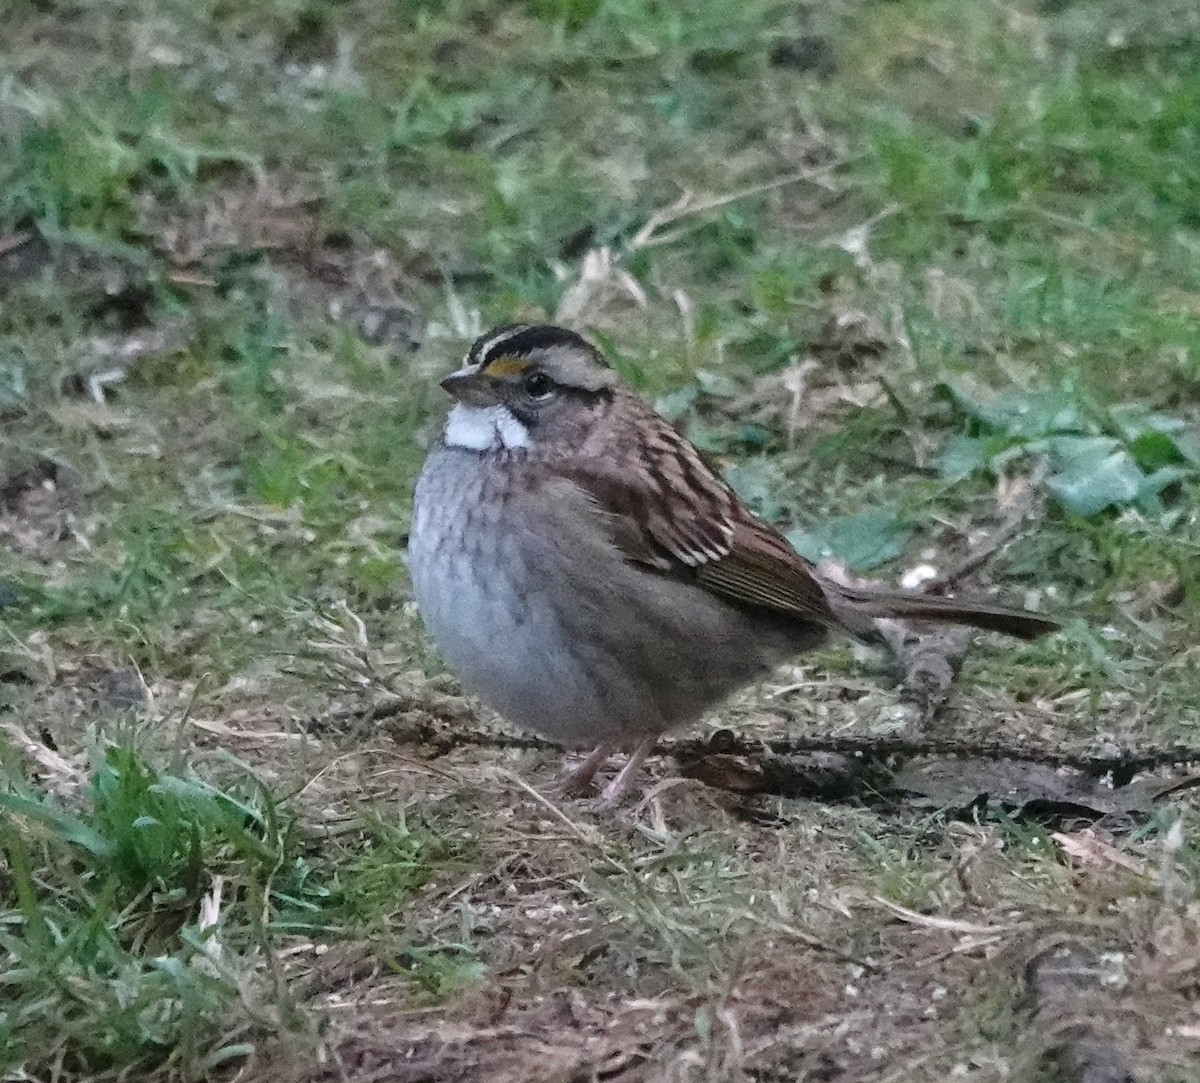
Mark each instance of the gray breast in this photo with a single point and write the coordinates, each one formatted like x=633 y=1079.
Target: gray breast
x=536 y=611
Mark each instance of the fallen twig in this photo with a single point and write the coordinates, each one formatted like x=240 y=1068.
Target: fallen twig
x=1072 y=998
x=444 y=738
x=929 y=664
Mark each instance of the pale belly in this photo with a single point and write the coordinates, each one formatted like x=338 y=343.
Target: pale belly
x=489 y=620
x=572 y=643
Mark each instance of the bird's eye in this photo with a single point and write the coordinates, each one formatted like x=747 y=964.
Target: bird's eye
x=539 y=386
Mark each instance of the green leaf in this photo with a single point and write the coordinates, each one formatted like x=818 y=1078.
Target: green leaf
x=1155 y=439
x=1154 y=449
x=14 y=387
x=863 y=541
x=1157 y=482
x=757 y=482
x=752 y=435
x=962 y=457
x=957 y=397
x=63 y=824
x=1094 y=473
x=1020 y=413
x=674 y=405
x=716 y=384
x=711 y=439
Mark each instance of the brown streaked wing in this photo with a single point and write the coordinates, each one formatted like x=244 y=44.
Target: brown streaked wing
x=762 y=569
x=667 y=509
x=672 y=530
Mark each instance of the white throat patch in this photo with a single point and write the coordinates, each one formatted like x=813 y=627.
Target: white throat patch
x=484 y=428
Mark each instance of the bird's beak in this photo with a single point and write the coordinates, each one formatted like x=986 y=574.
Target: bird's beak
x=470 y=386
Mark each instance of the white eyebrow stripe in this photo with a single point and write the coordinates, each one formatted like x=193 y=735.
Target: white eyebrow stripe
x=482 y=349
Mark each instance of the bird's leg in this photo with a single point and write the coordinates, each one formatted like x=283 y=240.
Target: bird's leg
x=615 y=790
x=579 y=778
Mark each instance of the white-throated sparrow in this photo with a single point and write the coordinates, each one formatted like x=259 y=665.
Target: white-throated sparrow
x=583 y=571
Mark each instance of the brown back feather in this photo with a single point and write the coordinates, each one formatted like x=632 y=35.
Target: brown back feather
x=668 y=510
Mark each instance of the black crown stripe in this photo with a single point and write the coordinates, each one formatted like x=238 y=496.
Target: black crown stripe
x=518 y=340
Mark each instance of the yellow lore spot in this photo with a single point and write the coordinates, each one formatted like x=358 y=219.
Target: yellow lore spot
x=506 y=366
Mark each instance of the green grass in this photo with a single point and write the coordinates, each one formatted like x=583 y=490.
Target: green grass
x=113 y=964
x=979 y=221
x=144 y=914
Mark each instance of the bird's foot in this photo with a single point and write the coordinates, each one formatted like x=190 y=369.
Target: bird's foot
x=617 y=788
x=578 y=780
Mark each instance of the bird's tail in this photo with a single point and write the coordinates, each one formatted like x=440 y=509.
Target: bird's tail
x=850 y=602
